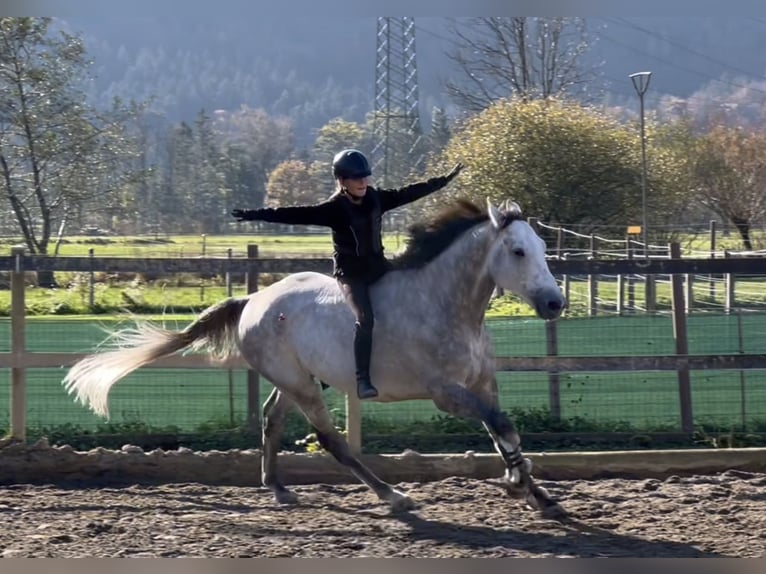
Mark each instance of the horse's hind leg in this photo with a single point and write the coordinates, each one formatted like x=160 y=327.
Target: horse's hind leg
x=275 y=411
x=459 y=401
x=310 y=402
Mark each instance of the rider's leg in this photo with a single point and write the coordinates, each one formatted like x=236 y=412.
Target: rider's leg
x=358 y=298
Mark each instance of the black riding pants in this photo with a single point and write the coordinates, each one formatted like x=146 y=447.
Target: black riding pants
x=356 y=292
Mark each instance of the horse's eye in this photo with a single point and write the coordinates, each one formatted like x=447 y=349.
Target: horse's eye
x=518 y=252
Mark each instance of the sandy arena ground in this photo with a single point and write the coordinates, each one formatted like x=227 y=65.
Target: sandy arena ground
x=699 y=516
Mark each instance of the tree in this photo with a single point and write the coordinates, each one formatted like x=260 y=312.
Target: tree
x=670 y=187
x=729 y=171
x=338 y=134
x=561 y=161
x=525 y=57
x=440 y=133
x=177 y=177
x=292 y=183
x=56 y=153
x=140 y=203
x=253 y=144
x=207 y=196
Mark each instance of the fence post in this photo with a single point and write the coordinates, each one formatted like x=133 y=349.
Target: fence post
x=682 y=344
x=554 y=389
x=650 y=288
x=712 y=256
x=592 y=282
x=18 y=343
x=91 y=282
x=202 y=276
x=729 y=294
x=228 y=273
x=621 y=284
x=689 y=292
x=631 y=283
x=253 y=377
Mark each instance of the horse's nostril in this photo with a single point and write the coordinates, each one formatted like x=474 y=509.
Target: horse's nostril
x=554 y=305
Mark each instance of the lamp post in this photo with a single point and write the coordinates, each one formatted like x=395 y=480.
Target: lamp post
x=641 y=84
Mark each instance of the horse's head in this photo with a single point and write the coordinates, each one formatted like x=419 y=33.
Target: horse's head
x=517 y=261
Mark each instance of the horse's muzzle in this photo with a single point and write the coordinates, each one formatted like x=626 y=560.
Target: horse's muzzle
x=549 y=304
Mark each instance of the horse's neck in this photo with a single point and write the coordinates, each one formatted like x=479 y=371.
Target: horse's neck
x=459 y=280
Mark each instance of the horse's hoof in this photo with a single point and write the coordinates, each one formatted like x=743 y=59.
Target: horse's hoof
x=553 y=511
x=400 y=502
x=366 y=393
x=287 y=497
x=514 y=490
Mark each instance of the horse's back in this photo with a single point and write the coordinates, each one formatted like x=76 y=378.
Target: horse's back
x=295 y=293
x=288 y=314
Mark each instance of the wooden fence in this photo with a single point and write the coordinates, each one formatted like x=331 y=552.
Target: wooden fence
x=18 y=360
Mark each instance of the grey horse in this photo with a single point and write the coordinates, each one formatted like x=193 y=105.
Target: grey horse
x=430 y=340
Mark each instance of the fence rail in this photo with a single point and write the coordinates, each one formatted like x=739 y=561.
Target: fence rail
x=19 y=359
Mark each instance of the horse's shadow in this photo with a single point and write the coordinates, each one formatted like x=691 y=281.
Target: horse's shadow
x=572 y=537
x=579 y=540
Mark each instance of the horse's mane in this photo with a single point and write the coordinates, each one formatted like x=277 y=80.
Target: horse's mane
x=428 y=239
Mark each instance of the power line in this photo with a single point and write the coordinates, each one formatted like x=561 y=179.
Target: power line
x=678 y=45
x=433 y=34
x=682 y=68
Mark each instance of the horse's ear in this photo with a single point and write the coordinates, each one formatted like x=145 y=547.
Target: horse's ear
x=512 y=208
x=495 y=215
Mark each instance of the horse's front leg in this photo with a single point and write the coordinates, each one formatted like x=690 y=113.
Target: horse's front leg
x=459 y=401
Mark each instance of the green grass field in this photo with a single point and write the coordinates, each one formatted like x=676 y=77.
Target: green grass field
x=190 y=398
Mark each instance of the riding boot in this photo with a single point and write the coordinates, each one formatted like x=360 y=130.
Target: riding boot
x=362 y=352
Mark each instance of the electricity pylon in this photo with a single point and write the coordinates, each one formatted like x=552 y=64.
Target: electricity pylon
x=397 y=134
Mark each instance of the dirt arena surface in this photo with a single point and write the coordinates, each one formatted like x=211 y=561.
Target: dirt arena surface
x=721 y=515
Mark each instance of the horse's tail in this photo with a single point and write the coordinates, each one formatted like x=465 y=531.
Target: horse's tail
x=215 y=330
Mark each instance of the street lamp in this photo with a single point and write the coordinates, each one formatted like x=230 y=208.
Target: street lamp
x=641 y=84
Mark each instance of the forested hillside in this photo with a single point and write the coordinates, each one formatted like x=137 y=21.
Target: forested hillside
x=315 y=68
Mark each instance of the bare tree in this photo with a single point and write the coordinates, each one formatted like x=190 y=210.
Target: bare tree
x=56 y=152
x=730 y=173
x=516 y=56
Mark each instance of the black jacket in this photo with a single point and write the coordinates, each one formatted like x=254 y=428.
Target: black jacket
x=356 y=228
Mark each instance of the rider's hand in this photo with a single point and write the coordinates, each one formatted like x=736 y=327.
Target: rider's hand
x=455 y=170
x=245 y=214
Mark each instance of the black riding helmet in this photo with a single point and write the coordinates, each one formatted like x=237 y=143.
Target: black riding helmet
x=350 y=164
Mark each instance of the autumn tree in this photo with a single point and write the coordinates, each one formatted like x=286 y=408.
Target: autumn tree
x=338 y=134
x=292 y=183
x=729 y=170
x=524 y=57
